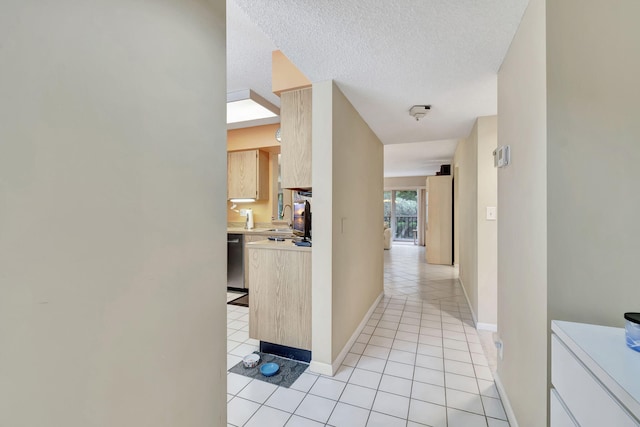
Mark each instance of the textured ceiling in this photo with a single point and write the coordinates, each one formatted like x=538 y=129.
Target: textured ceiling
x=386 y=56
x=248 y=55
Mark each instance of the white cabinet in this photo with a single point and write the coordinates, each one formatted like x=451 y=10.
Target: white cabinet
x=594 y=377
x=560 y=416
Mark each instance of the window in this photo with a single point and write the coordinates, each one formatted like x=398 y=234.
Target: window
x=401 y=213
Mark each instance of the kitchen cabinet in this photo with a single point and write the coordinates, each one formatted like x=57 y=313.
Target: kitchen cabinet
x=440 y=220
x=248 y=238
x=280 y=308
x=295 y=149
x=248 y=175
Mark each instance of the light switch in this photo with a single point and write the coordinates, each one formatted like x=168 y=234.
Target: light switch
x=492 y=213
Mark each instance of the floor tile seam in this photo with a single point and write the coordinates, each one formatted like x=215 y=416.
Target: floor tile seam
x=234 y=328
x=302 y=400
x=264 y=404
x=336 y=405
x=297 y=406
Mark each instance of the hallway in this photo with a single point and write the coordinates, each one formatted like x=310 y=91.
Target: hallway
x=418 y=362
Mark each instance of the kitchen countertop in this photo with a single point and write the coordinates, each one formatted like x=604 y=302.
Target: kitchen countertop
x=286 y=245
x=259 y=230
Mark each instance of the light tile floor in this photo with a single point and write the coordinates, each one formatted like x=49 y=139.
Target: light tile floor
x=418 y=362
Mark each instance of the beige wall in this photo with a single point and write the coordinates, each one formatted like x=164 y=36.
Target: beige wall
x=477 y=237
x=254 y=137
x=466 y=162
x=456 y=212
x=487 y=230
x=593 y=160
x=522 y=220
x=112 y=209
x=348 y=205
x=404 y=182
x=357 y=215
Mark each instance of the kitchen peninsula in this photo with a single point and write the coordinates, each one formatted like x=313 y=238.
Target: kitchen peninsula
x=280 y=309
x=237 y=239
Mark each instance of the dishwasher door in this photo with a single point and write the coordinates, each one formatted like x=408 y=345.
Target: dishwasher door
x=235 y=261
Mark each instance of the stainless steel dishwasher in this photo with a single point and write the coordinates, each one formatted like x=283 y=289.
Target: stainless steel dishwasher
x=235 y=261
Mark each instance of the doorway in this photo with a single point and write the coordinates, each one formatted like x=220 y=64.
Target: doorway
x=401 y=214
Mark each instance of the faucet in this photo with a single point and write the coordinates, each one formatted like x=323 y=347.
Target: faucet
x=284 y=208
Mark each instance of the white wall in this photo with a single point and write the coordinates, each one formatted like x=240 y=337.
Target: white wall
x=593 y=160
x=323 y=224
x=404 y=182
x=348 y=211
x=522 y=220
x=112 y=213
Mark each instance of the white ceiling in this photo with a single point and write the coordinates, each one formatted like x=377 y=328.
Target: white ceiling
x=417 y=158
x=385 y=56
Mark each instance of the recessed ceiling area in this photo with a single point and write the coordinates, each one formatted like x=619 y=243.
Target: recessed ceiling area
x=385 y=57
x=246 y=108
x=417 y=158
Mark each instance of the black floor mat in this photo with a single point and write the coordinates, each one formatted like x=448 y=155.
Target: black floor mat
x=243 y=301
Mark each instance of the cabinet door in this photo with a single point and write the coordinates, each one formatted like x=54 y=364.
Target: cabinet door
x=248 y=238
x=242 y=169
x=280 y=308
x=295 y=160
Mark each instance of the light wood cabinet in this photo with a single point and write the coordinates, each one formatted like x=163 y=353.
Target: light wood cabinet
x=295 y=160
x=248 y=238
x=280 y=309
x=440 y=220
x=248 y=175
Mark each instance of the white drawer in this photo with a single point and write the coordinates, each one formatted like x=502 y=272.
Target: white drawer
x=559 y=415
x=586 y=399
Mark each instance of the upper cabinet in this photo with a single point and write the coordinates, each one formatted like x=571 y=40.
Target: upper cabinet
x=295 y=117
x=248 y=175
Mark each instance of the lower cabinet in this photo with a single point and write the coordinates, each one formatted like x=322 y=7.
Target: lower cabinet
x=248 y=238
x=588 y=384
x=280 y=308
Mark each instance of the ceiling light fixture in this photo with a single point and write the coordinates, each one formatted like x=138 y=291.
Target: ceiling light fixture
x=419 y=111
x=246 y=105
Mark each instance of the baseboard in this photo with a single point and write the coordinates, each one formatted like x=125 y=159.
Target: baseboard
x=479 y=325
x=321 y=368
x=508 y=409
x=330 y=370
x=473 y=314
x=487 y=327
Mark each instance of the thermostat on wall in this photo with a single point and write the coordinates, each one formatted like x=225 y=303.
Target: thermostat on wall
x=502 y=156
